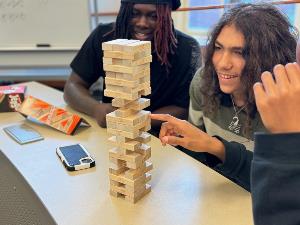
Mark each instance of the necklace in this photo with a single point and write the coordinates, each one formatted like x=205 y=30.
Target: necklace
x=235 y=126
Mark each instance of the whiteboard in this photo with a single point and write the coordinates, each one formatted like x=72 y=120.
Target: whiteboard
x=35 y=24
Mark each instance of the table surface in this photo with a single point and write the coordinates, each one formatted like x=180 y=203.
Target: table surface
x=183 y=190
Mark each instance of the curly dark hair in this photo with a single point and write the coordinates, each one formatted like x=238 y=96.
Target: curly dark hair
x=270 y=39
x=165 y=41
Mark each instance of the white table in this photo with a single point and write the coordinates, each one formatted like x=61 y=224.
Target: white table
x=183 y=190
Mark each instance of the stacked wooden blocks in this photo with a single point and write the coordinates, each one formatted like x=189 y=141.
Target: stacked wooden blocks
x=127 y=67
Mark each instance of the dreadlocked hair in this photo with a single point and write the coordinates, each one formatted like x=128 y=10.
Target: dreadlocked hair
x=123 y=19
x=165 y=41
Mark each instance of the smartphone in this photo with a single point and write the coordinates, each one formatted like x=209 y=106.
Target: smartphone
x=23 y=133
x=75 y=157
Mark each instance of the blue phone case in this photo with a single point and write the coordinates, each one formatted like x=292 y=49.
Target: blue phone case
x=75 y=157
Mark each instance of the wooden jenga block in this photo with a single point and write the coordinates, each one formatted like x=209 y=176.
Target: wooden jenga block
x=118 y=190
x=129 y=145
x=119 y=102
x=128 y=195
x=145 y=60
x=116 y=164
x=109 y=61
x=125 y=55
x=116 y=45
x=121 y=89
x=116 y=194
x=127 y=134
x=145 y=87
x=127 y=89
x=136 y=189
x=144 y=150
x=128 y=92
x=133 y=174
x=134 y=165
x=126 y=96
x=136 y=76
x=146 y=91
x=127 y=45
x=130 y=157
x=127 y=62
x=121 y=139
x=133 y=134
x=126 y=69
x=131 y=184
x=140 y=46
x=122 y=82
x=143 y=126
x=132 y=120
x=124 y=112
x=118 y=171
x=119 y=151
x=125 y=130
x=144 y=137
x=119 y=46
x=124 y=190
x=108 y=46
x=147 y=126
x=110 y=74
x=139 y=104
x=115 y=183
x=139 y=182
x=137 y=197
x=144 y=79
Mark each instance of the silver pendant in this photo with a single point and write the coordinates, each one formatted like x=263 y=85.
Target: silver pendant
x=234 y=125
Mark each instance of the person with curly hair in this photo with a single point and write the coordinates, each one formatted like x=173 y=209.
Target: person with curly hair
x=248 y=40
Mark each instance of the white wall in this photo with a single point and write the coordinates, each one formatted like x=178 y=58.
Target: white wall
x=108 y=6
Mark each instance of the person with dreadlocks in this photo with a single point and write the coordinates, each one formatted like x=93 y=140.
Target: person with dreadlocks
x=248 y=40
x=175 y=59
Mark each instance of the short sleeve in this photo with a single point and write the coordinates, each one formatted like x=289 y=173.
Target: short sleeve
x=88 y=62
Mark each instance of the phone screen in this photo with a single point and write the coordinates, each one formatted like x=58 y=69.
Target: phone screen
x=75 y=157
x=73 y=154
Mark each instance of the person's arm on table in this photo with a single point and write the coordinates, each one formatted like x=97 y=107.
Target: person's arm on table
x=77 y=95
x=180 y=132
x=275 y=179
x=231 y=157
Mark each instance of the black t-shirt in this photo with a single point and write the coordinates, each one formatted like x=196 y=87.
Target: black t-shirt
x=166 y=89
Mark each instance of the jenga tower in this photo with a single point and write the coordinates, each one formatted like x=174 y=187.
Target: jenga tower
x=127 y=67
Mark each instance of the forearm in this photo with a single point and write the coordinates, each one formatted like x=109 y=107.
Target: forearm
x=79 y=98
x=236 y=165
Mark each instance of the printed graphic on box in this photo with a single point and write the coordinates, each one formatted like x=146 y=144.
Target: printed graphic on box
x=50 y=115
x=11 y=97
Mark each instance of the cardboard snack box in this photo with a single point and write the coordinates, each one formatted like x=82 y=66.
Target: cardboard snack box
x=11 y=97
x=50 y=115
